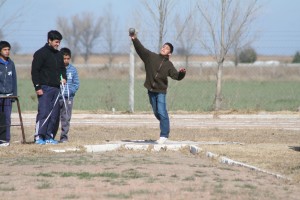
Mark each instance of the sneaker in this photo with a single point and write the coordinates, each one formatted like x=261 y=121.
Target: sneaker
x=63 y=141
x=161 y=140
x=40 y=142
x=51 y=141
x=4 y=144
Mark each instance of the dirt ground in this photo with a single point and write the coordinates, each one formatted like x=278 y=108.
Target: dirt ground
x=29 y=171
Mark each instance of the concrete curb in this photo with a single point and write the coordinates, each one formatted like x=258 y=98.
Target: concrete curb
x=228 y=161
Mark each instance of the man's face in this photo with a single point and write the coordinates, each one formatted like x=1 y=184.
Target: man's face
x=54 y=43
x=5 y=52
x=165 y=50
x=67 y=60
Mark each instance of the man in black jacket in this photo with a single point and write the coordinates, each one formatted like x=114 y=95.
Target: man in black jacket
x=47 y=73
x=158 y=68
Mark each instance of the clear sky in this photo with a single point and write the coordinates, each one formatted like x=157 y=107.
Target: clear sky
x=278 y=25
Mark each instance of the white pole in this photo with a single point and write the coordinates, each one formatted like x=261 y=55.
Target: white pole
x=131 y=80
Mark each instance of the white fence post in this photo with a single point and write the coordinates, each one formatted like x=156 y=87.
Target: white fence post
x=131 y=80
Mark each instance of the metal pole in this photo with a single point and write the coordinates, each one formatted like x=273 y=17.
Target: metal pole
x=131 y=80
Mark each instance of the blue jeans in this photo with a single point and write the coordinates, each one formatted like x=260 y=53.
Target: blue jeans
x=159 y=107
x=48 y=112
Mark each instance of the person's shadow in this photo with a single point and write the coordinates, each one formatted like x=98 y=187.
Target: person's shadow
x=295 y=148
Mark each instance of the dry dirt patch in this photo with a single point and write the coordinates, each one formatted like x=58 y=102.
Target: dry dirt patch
x=34 y=170
x=134 y=175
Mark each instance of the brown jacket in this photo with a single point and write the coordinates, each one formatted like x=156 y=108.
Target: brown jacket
x=158 y=68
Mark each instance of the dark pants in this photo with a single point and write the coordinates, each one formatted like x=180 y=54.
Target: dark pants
x=48 y=112
x=5 y=115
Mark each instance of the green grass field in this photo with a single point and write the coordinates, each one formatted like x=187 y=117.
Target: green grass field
x=97 y=95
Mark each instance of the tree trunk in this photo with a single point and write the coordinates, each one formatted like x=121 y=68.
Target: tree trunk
x=218 y=95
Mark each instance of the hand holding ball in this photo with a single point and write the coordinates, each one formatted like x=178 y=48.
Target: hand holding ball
x=131 y=32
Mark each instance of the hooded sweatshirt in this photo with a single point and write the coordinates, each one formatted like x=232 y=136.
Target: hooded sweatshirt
x=8 y=78
x=158 y=68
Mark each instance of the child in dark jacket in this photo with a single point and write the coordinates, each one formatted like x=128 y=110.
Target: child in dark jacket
x=158 y=68
x=8 y=87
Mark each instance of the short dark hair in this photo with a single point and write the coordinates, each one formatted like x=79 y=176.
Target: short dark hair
x=54 y=35
x=171 y=46
x=4 y=44
x=65 y=51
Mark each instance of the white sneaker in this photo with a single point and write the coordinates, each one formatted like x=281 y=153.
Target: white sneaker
x=161 y=140
x=4 y=144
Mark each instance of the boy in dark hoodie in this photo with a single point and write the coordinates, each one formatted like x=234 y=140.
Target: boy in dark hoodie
x=158 y=68
x=8 y=87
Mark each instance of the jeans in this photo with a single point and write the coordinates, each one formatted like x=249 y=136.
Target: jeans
x=159 y=107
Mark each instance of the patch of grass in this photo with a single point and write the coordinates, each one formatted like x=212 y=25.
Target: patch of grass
x=227 y=168
x=188 y=189
x=132 y=174
x=7 y=189
x=129 y=195
x=138 y=192
x=238 y=180
x=118 y=196
x=218 y=188
x=238 y=95
x=151 y=180
x=44 y=185
x=161 y=175
x=189 y=178
x=111 y=175
x=88 y=176
x=199 y=174
x=45 y=174
x=174 y=176
x=248 y=186
x=71 y=196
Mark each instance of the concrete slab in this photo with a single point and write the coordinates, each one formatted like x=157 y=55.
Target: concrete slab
x=102 y=147
x=61 y=150
x=137 y=145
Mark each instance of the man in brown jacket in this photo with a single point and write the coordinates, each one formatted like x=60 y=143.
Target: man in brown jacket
x=158 y=68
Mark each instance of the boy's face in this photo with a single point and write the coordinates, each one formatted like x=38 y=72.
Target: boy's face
x=165 y=50
x=54 y=43
x=5 y=52
x=67 y=60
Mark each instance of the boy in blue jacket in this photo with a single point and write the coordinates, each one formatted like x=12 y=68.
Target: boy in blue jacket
x=8 y=87
x=68 y=93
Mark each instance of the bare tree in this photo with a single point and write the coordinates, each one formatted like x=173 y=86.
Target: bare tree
x=226 y=21
x=10 y=18
x=187 y=33
x=13 y=17
x=159 y=11
x=71 y=33
x=80 y=33
x=110 y=34
x=1 y=35
x=90 y=29
x=15 y=48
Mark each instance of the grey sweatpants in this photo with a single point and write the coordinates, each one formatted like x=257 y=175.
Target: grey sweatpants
x=65 y=118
